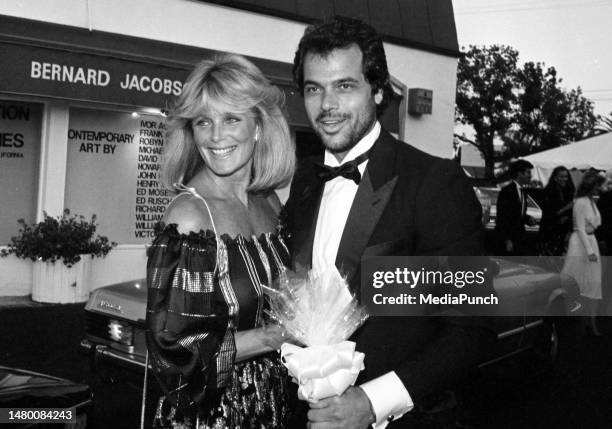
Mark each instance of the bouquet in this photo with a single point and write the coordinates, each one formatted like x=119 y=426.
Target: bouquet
x=319 y=312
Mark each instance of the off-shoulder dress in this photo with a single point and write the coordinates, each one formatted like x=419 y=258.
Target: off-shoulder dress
x=202 y=288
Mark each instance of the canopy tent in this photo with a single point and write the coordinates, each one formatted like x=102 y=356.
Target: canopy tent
x=593 y=152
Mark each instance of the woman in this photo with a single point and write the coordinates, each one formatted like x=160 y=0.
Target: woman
x=228 y=148
x=556 y=223
x=582 y=260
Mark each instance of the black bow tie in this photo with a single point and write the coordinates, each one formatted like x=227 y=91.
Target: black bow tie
x=348 y=170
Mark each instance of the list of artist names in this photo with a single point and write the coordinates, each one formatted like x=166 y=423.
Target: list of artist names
x=151 y=197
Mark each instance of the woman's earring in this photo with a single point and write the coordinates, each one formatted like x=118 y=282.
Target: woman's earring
x=257 y=135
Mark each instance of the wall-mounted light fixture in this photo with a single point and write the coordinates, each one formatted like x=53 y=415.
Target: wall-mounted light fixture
x=419 y=101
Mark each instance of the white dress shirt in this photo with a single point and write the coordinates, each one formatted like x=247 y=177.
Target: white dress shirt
x=387 y=394
x=521 y=195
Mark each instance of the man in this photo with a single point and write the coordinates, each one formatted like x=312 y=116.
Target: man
x=512 y=210
x=391 y=200
x=604 y=204
x=604 y=236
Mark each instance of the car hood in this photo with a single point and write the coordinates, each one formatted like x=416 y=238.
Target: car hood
x=20 y=388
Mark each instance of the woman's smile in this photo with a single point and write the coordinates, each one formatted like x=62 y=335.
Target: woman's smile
x=221 y=153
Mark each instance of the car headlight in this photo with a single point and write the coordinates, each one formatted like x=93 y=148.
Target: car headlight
x=121 y=332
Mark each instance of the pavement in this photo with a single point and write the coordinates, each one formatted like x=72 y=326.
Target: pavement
x=18 y=301
x=524 y=392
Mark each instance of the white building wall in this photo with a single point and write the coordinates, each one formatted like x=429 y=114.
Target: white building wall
x=203 y=25
x=419 y=69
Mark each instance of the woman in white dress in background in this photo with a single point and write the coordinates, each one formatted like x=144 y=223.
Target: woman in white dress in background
x=583 y=261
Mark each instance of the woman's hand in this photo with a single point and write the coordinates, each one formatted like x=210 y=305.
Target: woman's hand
x=258 y=341
x=273 y=336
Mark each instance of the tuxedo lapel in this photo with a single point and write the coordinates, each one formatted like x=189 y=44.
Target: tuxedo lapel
x=370 y=201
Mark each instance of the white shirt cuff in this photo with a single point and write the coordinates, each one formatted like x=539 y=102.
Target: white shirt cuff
x=389 y=398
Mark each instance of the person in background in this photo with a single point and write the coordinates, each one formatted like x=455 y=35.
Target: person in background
x=228 y=149
x=604 y=236
x=512 y=211
x=582 y=260
x=556 y=222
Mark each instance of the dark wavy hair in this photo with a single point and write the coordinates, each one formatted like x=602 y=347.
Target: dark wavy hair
x=591 y=180
x=518 y=167
x=340 y=32
x=568 y=191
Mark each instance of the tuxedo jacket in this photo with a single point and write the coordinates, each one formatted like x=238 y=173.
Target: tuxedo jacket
x=511 y=215
x=604 y=232
x=408 y=203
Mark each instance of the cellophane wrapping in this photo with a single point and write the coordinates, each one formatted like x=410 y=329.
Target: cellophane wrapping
x=319 y=312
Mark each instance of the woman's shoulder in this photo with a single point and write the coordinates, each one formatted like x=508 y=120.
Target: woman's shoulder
x=188 y=213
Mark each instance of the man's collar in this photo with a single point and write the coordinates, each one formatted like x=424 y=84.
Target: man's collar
x=364 y=145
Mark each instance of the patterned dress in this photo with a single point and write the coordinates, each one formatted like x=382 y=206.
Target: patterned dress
x=202 y=288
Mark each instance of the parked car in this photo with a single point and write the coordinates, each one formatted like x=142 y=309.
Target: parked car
x=21 y=389
x=115 y=315
x=488 y=200
x=542 y=297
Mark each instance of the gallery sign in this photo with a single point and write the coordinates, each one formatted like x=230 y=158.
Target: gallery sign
x=42 y=71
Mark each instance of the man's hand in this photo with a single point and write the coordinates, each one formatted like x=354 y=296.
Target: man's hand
x=351 y=410
x=509 y=246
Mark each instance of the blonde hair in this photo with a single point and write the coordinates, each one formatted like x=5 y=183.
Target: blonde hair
x=233 y=80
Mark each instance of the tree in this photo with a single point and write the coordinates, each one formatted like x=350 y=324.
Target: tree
x=547 y=115
x=581 y=121
x=526 y=108
x=604 y=124
x=486 y=100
